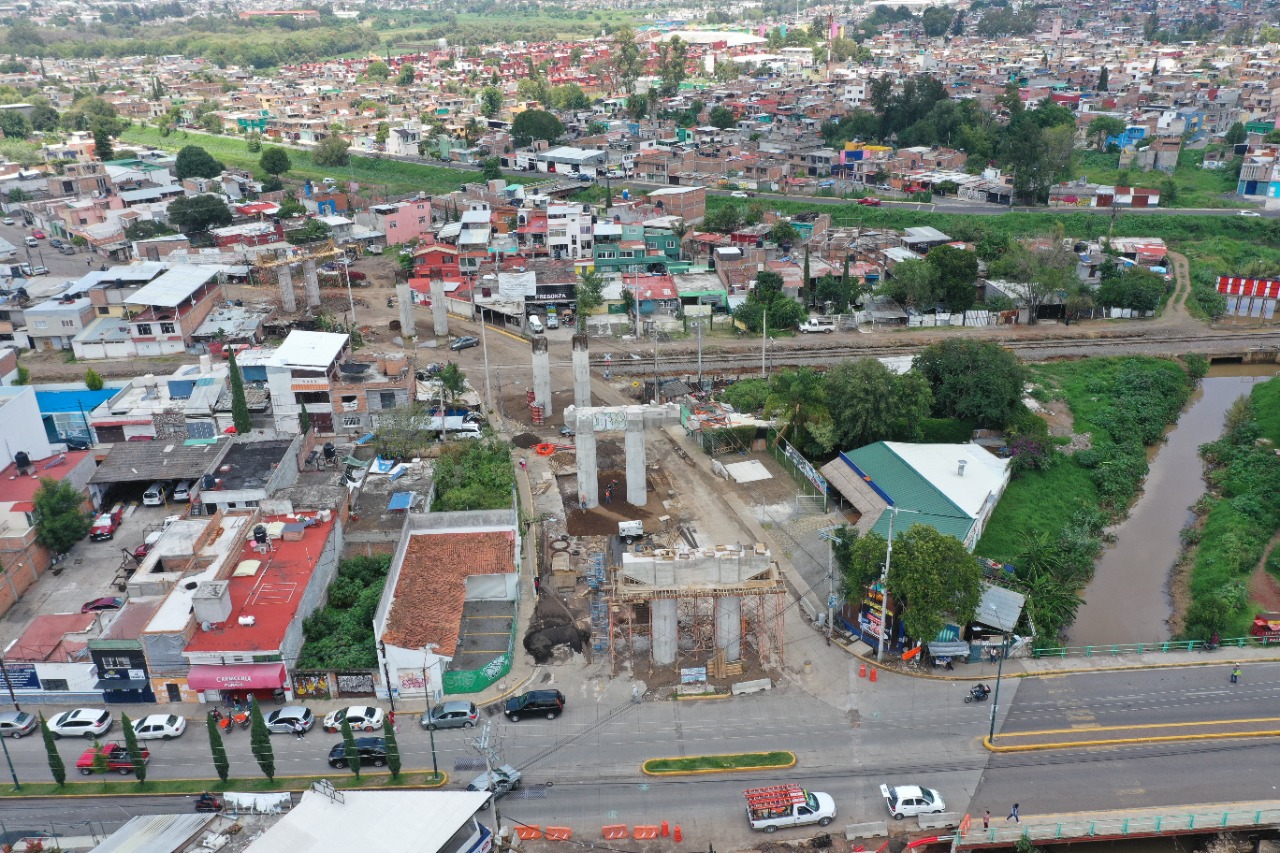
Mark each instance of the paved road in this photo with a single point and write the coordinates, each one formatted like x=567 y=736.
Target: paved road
x=60 y=265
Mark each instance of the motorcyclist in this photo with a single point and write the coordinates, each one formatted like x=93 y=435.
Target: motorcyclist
x=980 y=691
x=206 y=800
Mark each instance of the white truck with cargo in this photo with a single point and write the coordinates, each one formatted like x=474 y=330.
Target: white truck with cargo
x=825 y=325
x=770 y=809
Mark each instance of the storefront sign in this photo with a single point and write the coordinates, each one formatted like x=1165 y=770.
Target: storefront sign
x=21 y=676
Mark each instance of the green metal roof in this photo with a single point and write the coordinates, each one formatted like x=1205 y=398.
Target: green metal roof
x=907 y=489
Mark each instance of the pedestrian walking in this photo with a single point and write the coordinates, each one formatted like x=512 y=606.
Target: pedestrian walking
x=1235 y=673
x=524 y=465
x=537 y=585
x=608 y=495
x=299 y=730
x=986 y=819
x=1013 y=814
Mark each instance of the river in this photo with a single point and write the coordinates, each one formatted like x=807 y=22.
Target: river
x=1128 y=600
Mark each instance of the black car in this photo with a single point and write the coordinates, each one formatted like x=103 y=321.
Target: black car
x=372 y=750
x=465 y=342
x=535 y=703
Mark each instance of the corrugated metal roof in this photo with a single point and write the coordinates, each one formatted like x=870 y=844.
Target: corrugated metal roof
x=999 y=608
x=908 y=489
x=174 y=287
x=157 y=833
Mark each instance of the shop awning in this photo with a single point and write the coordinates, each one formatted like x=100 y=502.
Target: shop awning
x=241 y=676
x=121 y=684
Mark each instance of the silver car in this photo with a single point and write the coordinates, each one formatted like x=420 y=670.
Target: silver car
x=284 y=720
x=451 y=715
x=500 y=781
x=17 y=723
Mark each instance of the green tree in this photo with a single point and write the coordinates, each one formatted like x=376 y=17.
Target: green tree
x=290 y=207
x=102 y=147
x=722 y=117
x=212 y=123
x=590 y=296
x=349 y=747
x=934 y=580
x=332 y=151
x=260 y=741
x=490 y=101
x=869 y=403
x=673 y=57
x=304 y=419
x=92 y=380
x=637 y=105
x=101 y=766
x=973 y=380
x=913 y=284
x=393 y=747
x=377 y=70
x=784 y=233
x=216 y=747
x=194 y=162
x=132 y=748
x=453 y=383
x=406 y=76
x=61 y=521
x=860 y=559
x=570 y=97
x=628 y=60
x=1102 y=128
x=798 y=401
x=311 y=231
x=1236 y=134
x=275 y=161
x=535 y=124
x=253 y=142
x=491 y=169
x=957 y=276
x=936 y=20
x=1103 y=79
x=193 y=214
x=14 y=124
x=239 y=407
x=56 y=768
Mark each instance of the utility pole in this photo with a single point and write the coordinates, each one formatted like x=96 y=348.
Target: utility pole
x=698 y=327
x=426 y=686
x=995 y=700
x=483 y=745
x=8 y=682
x=764 y=339
x=884 y=582
x=828 y=533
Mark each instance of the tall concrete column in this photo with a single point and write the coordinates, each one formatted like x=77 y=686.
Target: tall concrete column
x=439 y=311
x=404 y=294
x=284 y=275
x=311 y=282
x=581 y=372
x=664 y=625
x=633 y=448
x=729 y=626
x=588 y=476
x=542 y=375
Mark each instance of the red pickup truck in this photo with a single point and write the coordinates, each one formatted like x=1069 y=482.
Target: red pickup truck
x=104 y=526
x=117 y=758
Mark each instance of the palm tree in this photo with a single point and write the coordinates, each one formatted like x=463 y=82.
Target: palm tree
x=797 y=399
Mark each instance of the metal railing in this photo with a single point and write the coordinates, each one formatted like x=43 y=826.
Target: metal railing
x=1160 y=647
x=1118 y=826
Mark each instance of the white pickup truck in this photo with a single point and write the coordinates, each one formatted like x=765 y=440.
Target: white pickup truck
x=826 y=325
x=788 y=805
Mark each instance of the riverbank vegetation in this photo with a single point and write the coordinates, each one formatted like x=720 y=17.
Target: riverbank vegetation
x=1239 y=515
x=1049 y=522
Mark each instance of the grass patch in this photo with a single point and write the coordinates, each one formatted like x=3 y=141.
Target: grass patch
x=340 y=779
x=1196 y=187
x=391 y=176
x=1036 y=501
x=1266 y=408
x=703 y=763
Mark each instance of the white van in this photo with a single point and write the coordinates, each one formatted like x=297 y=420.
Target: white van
x=182 y=491
x=535 y=325
x=154 y=495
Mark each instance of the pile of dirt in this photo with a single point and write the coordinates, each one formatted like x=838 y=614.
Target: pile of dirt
x=603 y=520
x=525 y=440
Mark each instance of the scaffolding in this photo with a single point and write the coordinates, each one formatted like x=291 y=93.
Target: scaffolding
x=281 y=264
x=761 y=608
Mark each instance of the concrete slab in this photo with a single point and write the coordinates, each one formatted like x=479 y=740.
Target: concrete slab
x=750 y=471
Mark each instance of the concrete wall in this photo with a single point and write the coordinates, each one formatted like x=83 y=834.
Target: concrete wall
x=701 y=567
x=316 y=593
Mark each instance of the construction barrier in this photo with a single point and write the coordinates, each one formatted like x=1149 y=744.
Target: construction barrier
x=559 y=833
x=529 y=833
x=644 y=833
x=613 y=832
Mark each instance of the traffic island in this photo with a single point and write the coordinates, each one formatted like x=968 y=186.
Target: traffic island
x=731 y=763
x=158 y=787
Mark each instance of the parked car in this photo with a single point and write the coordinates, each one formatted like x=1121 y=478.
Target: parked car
x=499 y=781
x=282 y=720
x=17 y=723
x=907 y=800
x=105 y=525
x=737 y=194
x=464 y=342
x=373 y=249
x=372 y=750
x=117 y=758
x=67 y=249
x=30 y=241
x=535 y=703
x=363 y=717
x=55 y=242
x=38 y=234
x=870 y=201
x=82 y=722
x=8 y=220
x=162 y=726
x=39 y=270
x=147 y=544
x=100 y=604
x=451 y=715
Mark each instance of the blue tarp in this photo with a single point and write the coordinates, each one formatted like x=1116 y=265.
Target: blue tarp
x=400 y=502
x=381 y=466
x=366 y=438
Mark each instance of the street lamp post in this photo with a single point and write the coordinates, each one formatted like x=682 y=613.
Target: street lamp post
x=995 y=700
x=426 y=686
x=828 y=534
x=884 y=582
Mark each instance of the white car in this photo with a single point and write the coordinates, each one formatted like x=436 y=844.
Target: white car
x=8 y=220
x=162 y=726
x=361 y=718
x=1247 y=213
x=907 y=800
x=82 y=722
x=738 y=194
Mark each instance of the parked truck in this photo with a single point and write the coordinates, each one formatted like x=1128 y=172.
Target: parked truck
x=825 y=325
x=787 y=805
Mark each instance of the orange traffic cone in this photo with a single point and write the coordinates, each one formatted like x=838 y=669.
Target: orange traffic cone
x=675 y=836
x=862 y=670
x=873 y=673
x=665 y=829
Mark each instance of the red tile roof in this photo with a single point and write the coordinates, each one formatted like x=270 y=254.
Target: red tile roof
x=15 y=488
x=432 y=586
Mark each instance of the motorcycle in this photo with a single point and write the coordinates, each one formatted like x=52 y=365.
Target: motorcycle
x=228 y=723
x=208 y=803
x=978 y=693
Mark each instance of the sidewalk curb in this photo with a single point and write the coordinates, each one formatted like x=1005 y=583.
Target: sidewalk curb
x=216 y=788
x=659 y=773
x=1085 y=744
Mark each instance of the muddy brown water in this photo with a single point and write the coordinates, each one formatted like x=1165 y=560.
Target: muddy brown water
x=1128 y=600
